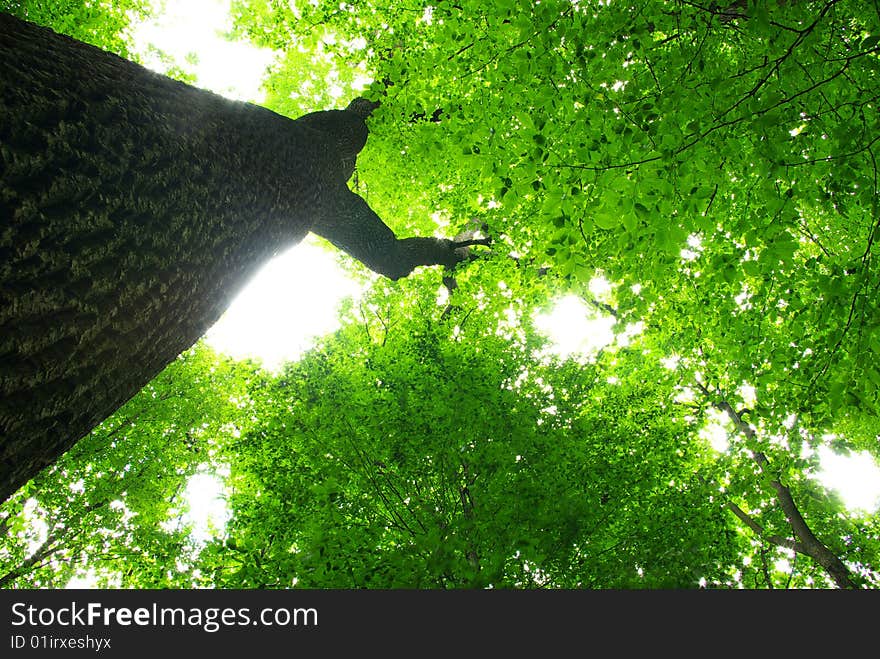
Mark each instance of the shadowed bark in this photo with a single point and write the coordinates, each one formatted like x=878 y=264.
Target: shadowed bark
x=132 y=209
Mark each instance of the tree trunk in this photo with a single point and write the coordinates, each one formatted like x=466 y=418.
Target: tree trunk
x=806 y=543
x=132 y=209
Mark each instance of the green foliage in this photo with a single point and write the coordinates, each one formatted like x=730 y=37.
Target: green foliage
x=112 y=509
x=717 y=166
x=404 y=457
x=101 y=24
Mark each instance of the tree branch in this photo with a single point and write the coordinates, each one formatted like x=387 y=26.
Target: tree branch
x=777 y=540
x=807 y=544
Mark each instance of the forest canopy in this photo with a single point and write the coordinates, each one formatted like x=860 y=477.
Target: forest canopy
x=714 y=163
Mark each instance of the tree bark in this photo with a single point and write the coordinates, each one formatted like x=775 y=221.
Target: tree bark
x=806 y=542
x=132 y=209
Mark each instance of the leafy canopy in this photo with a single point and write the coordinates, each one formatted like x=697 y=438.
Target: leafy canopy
x=716 y=164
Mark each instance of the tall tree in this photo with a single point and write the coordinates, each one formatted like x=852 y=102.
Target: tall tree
x=134 y=207
x=717 y=166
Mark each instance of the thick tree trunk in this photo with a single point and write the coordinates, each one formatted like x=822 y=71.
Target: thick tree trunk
x=132 y=209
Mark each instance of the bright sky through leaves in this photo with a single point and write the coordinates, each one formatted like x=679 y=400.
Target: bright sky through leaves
x=574 y=328
x=292 y=300
x=191 y=32
x=855 y=477
x=207 y=511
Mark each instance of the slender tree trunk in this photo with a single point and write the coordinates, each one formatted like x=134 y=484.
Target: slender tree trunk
x=805 y=541
x=132 y=209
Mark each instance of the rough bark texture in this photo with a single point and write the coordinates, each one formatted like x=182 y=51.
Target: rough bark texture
x=132 y=209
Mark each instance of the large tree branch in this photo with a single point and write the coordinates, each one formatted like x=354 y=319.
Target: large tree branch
x=355 y=228
x=777 y=540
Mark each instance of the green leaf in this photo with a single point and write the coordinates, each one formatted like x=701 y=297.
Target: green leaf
x=605 y=220
x=870 y=42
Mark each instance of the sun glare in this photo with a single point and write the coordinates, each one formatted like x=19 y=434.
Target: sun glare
x=715 y=431
x=291 y=301
x=207 y=511
x=191 y=33
x=574 y=328
x=856 y=478
x=295 y=297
